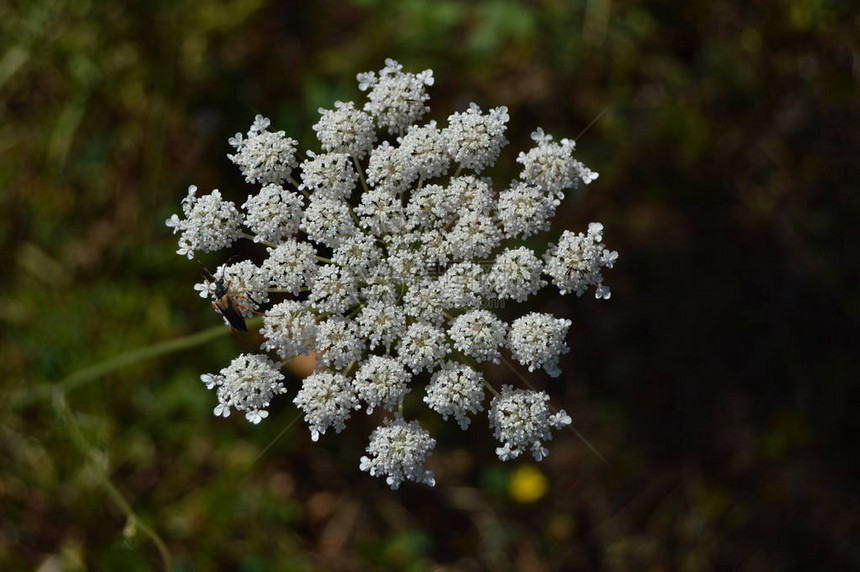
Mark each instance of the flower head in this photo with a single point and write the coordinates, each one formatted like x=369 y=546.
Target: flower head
x=210 y=223
x=395 y=98
x=474 y=138
x=247 y=384
x=422 y=346
x=273 y=214
x=537 y=340
x=346 y=129
x=381 y=381
x=525 y=210
x=263 y=156
x=291 y=266
x=329 y=175
x=327 y=400
x=578 y=260
x=478 y=334
x=521 y=420
x=456 y=390
x=516 y=274
x=386 y=261
x=397 y=451
x=289 y=329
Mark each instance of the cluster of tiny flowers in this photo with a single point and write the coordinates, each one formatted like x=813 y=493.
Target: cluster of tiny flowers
x=247 y=384
x=263 y=156
x=537 y=340
x=210 y=223
x=398 y=450
x=385 y=253
x=577 y=262
x=522 y=420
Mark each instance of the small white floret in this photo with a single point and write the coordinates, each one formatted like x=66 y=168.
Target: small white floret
x=397 y=451
x=264 y=156
x=327 y=400
x=248 y=384
x=456 y=390
x=521 y=420
x=210 y=223
x=381 y=381
x=478 y=334
x=537 y=340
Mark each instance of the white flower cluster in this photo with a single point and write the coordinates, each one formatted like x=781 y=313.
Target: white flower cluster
x=247 y=384
x=210 y=223
x=521 y=420
x=577 y=262
x=398 y=450
x=457 y=390
x=385 y=265
x=264 y=157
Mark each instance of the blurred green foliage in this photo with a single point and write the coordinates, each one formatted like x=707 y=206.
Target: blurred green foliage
x=719 y=381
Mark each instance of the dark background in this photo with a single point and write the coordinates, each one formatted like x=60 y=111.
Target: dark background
x=720 y=381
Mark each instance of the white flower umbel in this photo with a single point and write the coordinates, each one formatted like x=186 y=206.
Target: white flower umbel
x=359 y=253
x=405 y=266
x=470 y=194
x=289 y=328
x=381 y=381
x=456 y=390
x=463 y=285
x=525 y=210
x=247 y=384
x=516 y=274
x=537 y=340
x=327 y=400
x=396 y=98
x=381 y=213
x=328 y=221
x=425 y=146
x=521 y=420
x=577 y=262
x=474 y=139
x=473 y=236
x=422 y=347
x=431 y=207
x=423 y=301
x=334 y=289
x=329 y=175
x=387 y=250
x=346 y=129
x=397 y=451
x=338 y=343
x=291 y=266
x=382 y=323
x=478 y=334
x=432 y=247
x=210 y=223
x=273 y=213
x=391 y=167
x=551 y=166
x=264 y=157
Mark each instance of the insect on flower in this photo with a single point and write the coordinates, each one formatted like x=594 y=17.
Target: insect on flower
x=224 y=301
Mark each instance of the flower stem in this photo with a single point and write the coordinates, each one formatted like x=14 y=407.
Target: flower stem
x=116 y=496
x=490 y=387
x=251 y=237
x=360 y=175
x=93 y=372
